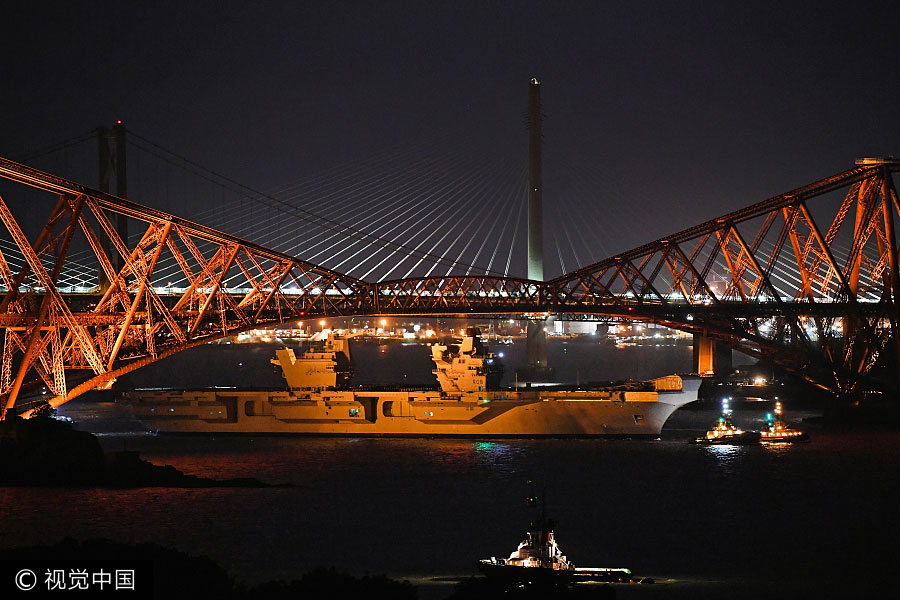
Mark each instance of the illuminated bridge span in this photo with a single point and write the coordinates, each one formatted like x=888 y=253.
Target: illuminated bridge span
x=766 y=279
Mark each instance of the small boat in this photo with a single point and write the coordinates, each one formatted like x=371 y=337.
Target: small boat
x=727 y=433
x=539 y=560
x=779 y=432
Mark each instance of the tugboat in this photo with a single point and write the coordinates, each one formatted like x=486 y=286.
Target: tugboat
x=780 y=432
x=726 y=433
x=538 y=560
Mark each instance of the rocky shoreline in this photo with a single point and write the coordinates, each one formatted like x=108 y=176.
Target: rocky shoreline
x=47 y=452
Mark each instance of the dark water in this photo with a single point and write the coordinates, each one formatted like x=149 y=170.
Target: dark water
x=789 y=521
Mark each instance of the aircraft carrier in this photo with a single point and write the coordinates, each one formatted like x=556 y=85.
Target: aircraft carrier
x=466 y=403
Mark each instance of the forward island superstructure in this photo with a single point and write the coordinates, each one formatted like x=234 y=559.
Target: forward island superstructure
x=467 y=403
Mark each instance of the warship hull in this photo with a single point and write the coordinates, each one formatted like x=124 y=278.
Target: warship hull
x=419 y=414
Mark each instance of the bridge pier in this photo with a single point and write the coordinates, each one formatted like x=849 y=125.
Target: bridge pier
x=711 y=358
x=537 y=368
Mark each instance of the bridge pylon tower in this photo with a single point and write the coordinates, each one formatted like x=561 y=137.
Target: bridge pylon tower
x=112 y=165
x=537 y=367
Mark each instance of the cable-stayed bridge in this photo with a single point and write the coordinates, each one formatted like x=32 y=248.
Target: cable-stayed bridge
x=807 y=279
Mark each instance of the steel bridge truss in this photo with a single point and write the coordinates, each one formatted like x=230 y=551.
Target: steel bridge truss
x=75 y=343
x=769 y=281
x=479 y=295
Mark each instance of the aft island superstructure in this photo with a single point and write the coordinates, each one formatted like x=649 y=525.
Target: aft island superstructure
x=467 y=403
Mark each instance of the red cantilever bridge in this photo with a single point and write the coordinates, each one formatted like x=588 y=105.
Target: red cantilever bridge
x=816 y=297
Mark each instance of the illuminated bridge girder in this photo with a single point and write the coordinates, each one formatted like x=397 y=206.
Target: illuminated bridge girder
x=94 y=338
x=723 y=278
x=479 y=295
x=831 y=320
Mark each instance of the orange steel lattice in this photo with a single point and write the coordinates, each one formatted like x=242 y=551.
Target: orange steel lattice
x=765 y=279
x=480 y=295
x=79 y=342
x=768 y=281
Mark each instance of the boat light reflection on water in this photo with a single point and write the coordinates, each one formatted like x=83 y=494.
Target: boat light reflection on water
x=725 y=451
x=494 y=449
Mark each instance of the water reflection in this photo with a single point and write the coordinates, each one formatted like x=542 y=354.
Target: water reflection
x=724 y=451
x=485 y=446
x=728 y=457
x=778 y=448
x=495 y=450
x=501 y=457
x=450 y=452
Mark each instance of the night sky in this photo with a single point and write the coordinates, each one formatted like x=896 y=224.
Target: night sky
x=671 y=112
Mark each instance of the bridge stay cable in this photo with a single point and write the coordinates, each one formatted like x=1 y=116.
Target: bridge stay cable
x=283 y=206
